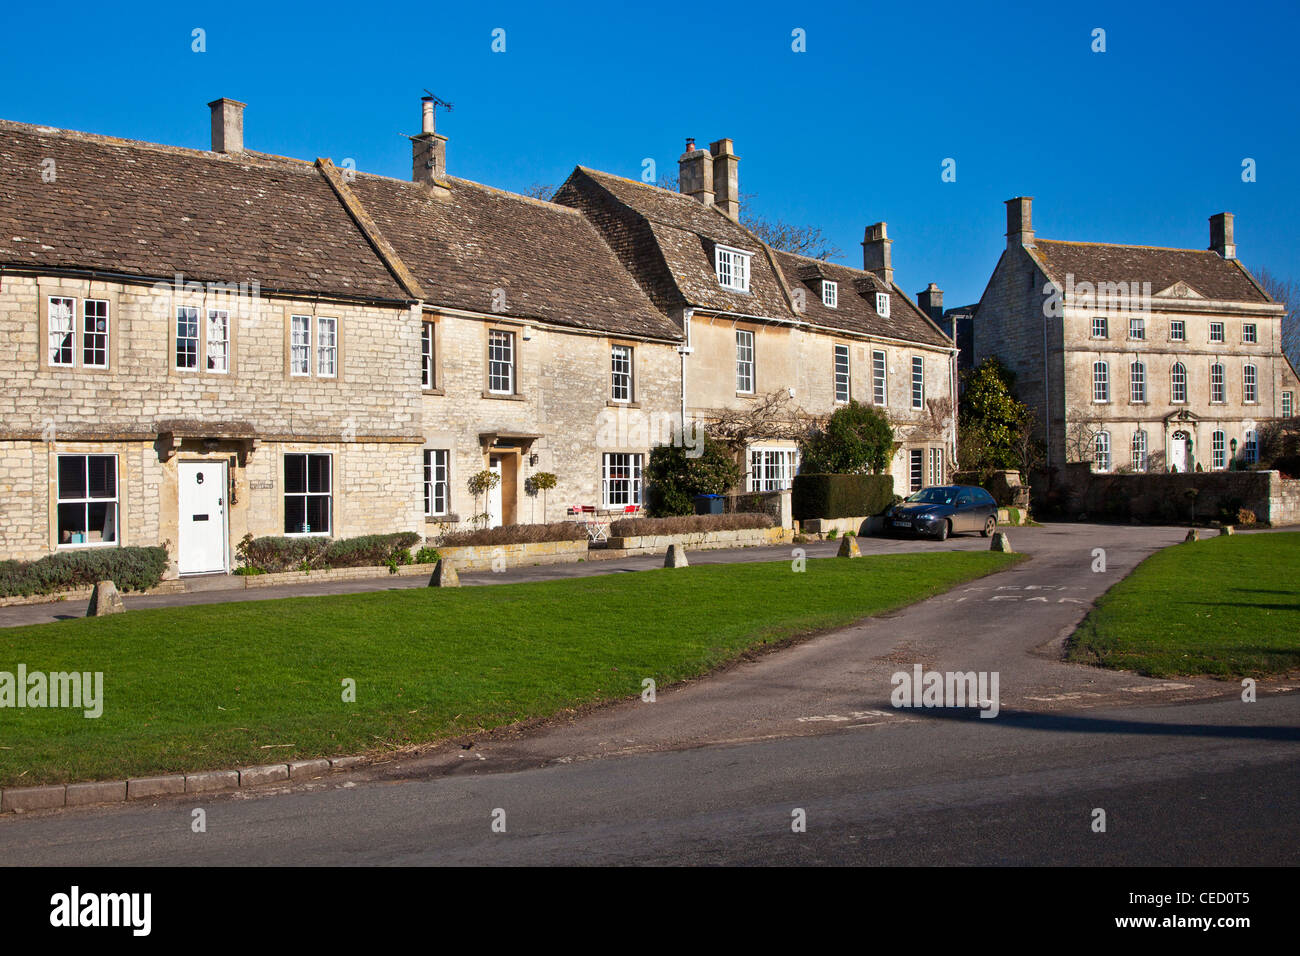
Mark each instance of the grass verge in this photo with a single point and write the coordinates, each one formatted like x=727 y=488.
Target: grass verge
x=225 y=685
x=1228 y=607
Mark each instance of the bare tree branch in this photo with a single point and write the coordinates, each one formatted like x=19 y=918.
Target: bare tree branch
x=1286 y=291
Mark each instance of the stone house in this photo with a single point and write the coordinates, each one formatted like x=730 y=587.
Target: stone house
x=766 y=329
x=1134 y=357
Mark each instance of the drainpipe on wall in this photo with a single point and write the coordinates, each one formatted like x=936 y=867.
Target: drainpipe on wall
x=1047 y=391
x=685 y=350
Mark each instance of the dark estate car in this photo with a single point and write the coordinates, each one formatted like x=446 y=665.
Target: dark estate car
x=944 y=510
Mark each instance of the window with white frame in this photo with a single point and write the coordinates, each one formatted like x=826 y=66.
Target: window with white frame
x=501 y=362
x=94 y=333
x=218 y=340
x=842 y=382
x=327 y=347
x=918 y=382
x=936 y=466
x=882 y=304
x=187 y=337
x=772 y=469
x=1178 y=383
x=733 y=268
x=1249 y=333
x=1178 y=331
x=1220 y=455
x=308 y=494
x=436 y=487
x=1249 y=384
x=620 y=480
x=879 y=378
x=1100 y=382
x=1137 y=327
x=1288 y=402
x=62 y=312
x=1250 y=451
x=1216 y=331
x=1139 y=450
x=744 y=360
x=1101 y=451
x=1216 y=384
x=426 y=355
x=1099 y=327
x=830 y=293
x=916 y=469
x=300 y=345
x=87 y=500
x=620 y=373
x=1137 y=383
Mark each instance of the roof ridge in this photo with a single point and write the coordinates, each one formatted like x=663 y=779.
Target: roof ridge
x=1125 y=245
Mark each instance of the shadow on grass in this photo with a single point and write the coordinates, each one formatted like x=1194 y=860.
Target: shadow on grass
x=1067 y=723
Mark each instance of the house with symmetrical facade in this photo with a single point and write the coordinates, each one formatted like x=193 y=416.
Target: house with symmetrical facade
x=201 y=345
x=1136 y=357
x=765 y=328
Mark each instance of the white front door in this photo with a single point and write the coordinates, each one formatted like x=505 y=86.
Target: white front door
x=1178 y=452
x=494 y=496
x=202 y=516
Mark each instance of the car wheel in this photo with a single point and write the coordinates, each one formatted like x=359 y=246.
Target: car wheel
x=944 y=530
x=990 y=525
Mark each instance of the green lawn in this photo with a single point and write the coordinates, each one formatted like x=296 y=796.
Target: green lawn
x=226 y=685
x=1228 y=606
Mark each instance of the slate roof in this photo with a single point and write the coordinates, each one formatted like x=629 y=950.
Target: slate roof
x=1204 y=270
x=140 y=209
x=552 y=263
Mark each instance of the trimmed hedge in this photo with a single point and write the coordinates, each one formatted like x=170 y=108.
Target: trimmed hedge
x=840 y=496
x=275 y=554
x=688 y=524
x=131 y=569
x=514 y=534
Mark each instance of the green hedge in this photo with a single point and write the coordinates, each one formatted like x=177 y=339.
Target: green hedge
x=274 y=554
x=840 y=496
x=131 y=569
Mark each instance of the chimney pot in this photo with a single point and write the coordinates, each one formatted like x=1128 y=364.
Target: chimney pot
x=876 y=256
x=227 y=125
x=1020 y=226
x=426 y=118
x=1221 y=240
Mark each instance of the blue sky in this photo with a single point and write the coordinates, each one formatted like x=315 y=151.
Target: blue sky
x=1139 y=144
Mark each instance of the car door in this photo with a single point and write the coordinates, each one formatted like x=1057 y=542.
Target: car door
x=965 y=519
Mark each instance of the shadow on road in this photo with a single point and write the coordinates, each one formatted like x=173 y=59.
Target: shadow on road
x=1028 y=720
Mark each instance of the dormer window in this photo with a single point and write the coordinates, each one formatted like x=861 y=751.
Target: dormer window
x=882 y=304
x=733 y=268
x=830 y=294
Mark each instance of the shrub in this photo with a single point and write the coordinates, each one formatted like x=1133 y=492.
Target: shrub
x=515 y=534
x=857 y=438
x=1289 y=465
x=840 y=496
x=131 y=569
x=275 y=554
x=673 y=478
x=1246 y=517
x=427 y=555
x=687 y=524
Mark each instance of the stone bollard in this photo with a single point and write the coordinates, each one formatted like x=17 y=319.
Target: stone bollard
x=676 y=557
x=1191 y=536
x=1001 y=542
x=849 y=547
x=105 y=600
x=444 y=575
x=1227 y=529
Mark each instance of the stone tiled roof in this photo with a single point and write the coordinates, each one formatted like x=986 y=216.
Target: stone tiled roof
x=550 y=261
x=131 y=208
x=1204 y=270
x=855 y=309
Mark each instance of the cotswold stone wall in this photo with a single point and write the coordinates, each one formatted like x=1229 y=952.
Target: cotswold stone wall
x=1180 y=498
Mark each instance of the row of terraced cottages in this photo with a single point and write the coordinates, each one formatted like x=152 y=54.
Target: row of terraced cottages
x=196 y=345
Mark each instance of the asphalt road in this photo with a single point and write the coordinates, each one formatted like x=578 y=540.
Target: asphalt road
x=712 y=771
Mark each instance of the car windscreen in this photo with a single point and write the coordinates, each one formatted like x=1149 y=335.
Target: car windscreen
x=933 y=496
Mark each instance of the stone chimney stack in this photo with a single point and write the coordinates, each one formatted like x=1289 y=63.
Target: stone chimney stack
x=1221 y=235
x=428 y=150
x=1020 y=223
x=695 y=173
x=726 y=177
x=931 y=303
x=876 y=257
x=227 y=125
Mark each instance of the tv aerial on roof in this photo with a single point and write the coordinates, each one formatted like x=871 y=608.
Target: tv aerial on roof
x=438 y=101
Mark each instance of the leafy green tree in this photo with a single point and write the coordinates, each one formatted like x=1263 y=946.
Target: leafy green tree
x=856 y=439
x=674 y=478
x=994 y=427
